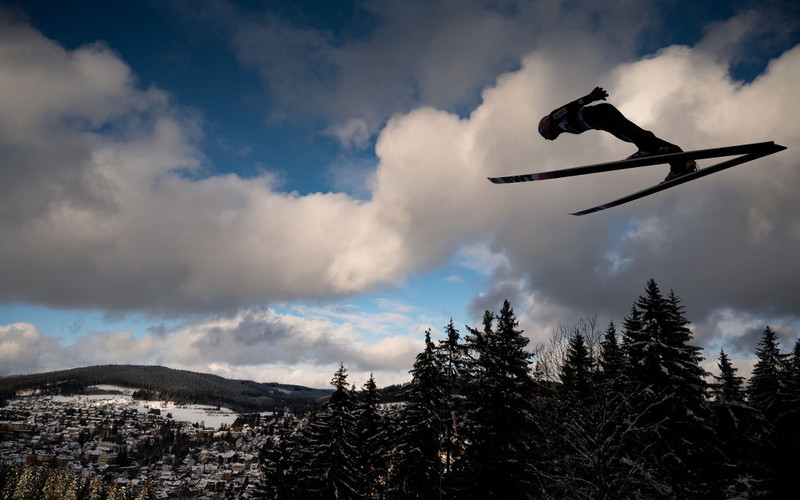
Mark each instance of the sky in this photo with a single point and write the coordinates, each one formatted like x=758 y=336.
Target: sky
x=267 y=189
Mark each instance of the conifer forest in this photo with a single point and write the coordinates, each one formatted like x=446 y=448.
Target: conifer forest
x=618 y=411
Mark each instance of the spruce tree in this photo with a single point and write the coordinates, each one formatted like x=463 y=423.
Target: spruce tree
x=665 y=374
x=9 y=475
x=611 y=359
x=684 y=360
x=735 y=421
x=653 y=335
x=77 y=487
x=282 y=458
x=416 y=470
x=634 y=343
x=330 y=469
x=30 y=483
x=453 y=360
x=765 y=389
x=55 y=488
x=501 y=431
x=728 y=387
x=793 y=378
x=452 y=355
x=577 y=371
x=771 y=392
x=372 y=439
x=792 y=413
x=98 y=489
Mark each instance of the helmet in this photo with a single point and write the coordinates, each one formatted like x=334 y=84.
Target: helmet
x=544 y=127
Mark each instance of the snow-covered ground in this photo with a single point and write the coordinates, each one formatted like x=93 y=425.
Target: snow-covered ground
x=208 y=416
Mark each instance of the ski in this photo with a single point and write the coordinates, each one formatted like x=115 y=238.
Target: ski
x=755 y=151
x=699 y=154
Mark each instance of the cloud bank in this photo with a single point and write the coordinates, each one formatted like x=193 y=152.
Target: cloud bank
x=257 y=344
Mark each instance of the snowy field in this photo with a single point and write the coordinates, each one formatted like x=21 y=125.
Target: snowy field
x=208 y=416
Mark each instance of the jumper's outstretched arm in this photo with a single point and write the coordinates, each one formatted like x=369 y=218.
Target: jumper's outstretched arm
x=598 y=94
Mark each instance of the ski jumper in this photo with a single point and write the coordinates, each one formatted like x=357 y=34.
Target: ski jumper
x=576 y=117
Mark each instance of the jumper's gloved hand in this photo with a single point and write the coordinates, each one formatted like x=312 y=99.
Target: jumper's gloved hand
x=598 y=94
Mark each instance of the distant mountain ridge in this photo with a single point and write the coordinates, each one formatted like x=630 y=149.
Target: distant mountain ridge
x=162 y=383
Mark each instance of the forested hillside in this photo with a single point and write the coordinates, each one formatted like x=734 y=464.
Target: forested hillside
x=159 y=382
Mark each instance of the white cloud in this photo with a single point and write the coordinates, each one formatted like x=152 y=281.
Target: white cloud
x=481 y=258
x=353 y=133
x=724 y=40
x=162 y=241
x=96 y=210
x=21 y=348
x=260 y=343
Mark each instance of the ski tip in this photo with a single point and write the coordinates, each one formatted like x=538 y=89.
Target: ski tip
x=594 y=209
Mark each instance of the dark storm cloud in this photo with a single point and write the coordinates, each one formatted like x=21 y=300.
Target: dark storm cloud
x=410 y=54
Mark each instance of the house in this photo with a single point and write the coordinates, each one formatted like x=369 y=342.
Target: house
x=107 y=458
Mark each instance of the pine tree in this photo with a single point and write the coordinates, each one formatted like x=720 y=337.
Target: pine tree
x=303 y=446
x=416 y=471
x=771 y=391
x=735 y=421
x=634 y=342
x=685 y=359
x=765 y=389
x=501 y=431
x=577 y=371
x=453 y=360
x=330 y=468
x=97 y=489
x=653 y=335
x=77 y=486
x=729 y=387
x=452 y=357
x=30 y=483
x=8 y=481
x=372 y=440
x=280 y=456
x=793 y=378
x=611 y=358
x=792 y=395
x=665 y=375
x=280 y=460
x=55 y=488
x=792 y=413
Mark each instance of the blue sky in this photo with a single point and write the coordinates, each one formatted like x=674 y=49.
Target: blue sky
x=298 y=184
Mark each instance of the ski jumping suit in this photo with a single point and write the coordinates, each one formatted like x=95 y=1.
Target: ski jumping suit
x=576 y=118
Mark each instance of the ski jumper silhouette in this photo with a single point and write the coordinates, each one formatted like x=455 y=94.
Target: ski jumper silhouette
x=576 y=118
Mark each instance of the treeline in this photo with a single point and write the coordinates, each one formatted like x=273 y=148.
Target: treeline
x=37 y=482
x=600 y=415
x=162 y=383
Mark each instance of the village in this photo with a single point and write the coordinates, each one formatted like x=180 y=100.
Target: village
x=113 y=437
